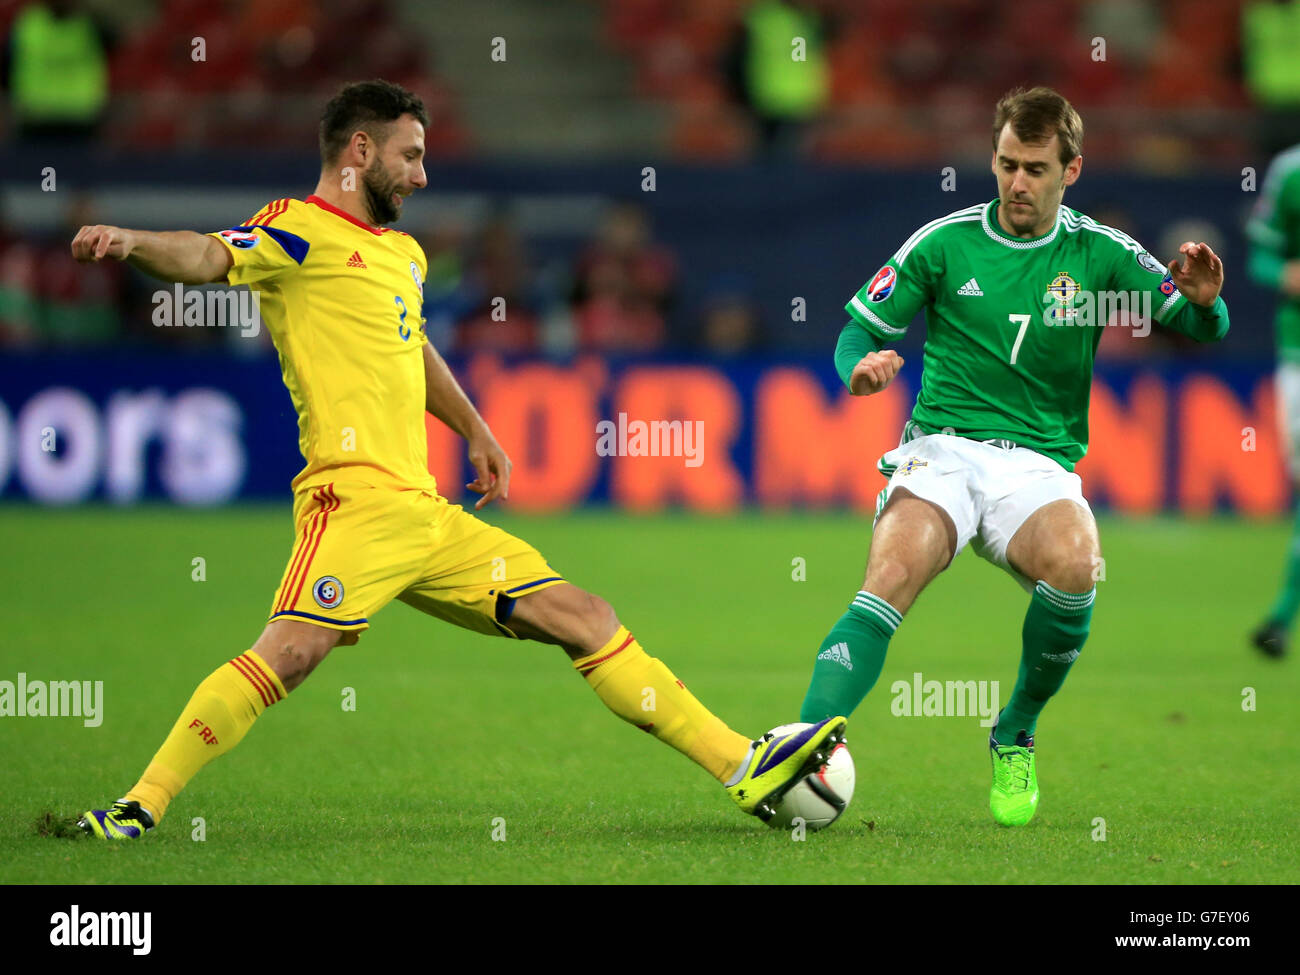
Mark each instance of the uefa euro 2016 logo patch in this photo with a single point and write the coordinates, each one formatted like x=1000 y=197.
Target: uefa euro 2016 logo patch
x=882 y=285
x=327 y=591
x=240 y=238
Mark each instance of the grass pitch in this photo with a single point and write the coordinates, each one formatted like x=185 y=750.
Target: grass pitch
x=455 y=734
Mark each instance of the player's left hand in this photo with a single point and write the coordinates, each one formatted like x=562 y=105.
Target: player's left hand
x=492 y=467
x=1200 y=276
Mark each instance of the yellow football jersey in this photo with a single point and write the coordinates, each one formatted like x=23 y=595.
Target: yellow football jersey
x=342 y=302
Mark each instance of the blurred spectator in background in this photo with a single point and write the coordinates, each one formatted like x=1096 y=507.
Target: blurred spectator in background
x=17 y=288
x=730 y=324
x=777 y=68
x=1270 y=47
x=498 y=306
x=56 y=72
x=624 y=285
x=444 y=246
x=78 y=304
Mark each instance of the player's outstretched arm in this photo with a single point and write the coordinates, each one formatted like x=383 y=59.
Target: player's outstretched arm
x=180 y=255
x=1200 y=275
x=444 y=398
x=1200 y=279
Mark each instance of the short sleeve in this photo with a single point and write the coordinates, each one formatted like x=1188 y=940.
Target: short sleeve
x=887 y=303
x=262 y=253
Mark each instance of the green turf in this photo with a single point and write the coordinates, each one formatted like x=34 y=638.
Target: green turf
x=453 y=730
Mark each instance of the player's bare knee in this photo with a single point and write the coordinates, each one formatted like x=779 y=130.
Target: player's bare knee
x=891 y=579
x=295 y=657
x=601 y=620
x=1071 y=570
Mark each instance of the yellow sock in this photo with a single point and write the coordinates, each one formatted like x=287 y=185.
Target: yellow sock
x=218 y=715
x=642 y=691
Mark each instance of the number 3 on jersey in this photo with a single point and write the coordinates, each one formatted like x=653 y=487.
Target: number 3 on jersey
x=405 y=331
x=1023 y=322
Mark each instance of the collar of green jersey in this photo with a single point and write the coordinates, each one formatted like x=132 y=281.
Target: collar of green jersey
x=990 y=221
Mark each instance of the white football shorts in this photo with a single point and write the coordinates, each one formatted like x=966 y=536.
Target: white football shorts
x=988 y=490
x=1288 y=413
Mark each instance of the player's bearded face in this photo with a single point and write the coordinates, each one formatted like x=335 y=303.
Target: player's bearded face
x=381 y=192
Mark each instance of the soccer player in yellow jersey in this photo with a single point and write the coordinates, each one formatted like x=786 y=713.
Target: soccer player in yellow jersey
x=341 y=294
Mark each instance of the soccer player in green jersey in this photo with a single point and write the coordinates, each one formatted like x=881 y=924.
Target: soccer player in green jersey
x=1015 y=292
x=1274 y=232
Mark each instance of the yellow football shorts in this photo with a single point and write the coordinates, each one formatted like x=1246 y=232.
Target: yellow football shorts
x=359 y=546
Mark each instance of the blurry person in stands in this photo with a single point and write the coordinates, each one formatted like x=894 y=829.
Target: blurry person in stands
x=499 y=308
x=55 y=70
x=78 y=305
x=444 y=300
x=624 y=286
x=729 y=325
x=17 y=288
x=783 y=84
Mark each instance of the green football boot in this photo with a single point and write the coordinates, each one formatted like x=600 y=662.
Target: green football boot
x=1014 y=795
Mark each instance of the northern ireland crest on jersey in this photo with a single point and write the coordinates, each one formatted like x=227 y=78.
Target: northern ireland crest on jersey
x=1060 y=298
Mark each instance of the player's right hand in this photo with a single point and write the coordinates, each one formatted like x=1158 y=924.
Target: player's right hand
x=874 y=372
x=98 y=242
x=491 y=467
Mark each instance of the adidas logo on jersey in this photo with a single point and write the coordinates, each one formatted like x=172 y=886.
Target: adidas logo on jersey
x=971 y=287
x=839 y=653
x=356 y=261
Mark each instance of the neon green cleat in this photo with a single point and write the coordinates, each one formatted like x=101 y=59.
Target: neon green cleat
x=125 y=821
x=1014 y=796
x=777 y=762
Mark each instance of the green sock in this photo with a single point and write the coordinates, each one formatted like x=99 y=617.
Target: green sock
x=1056 y=627
x=851 y=658
x=1288 y=600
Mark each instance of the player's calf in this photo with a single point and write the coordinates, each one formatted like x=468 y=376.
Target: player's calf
x=637 y=687
x=215 y=719
x=578 y=621
x=1057 y=548
x=294 y=649
x=913 y=542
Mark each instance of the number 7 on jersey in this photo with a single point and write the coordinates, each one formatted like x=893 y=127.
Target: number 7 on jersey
x=1023 y=320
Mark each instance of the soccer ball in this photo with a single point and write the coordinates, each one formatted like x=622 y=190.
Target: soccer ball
x=821 y=797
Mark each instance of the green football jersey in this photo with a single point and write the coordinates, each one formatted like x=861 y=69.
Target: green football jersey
x=1012 y=325
x=1274 y=233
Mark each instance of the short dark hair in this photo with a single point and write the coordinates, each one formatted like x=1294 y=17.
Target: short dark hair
x=1035 y=115
x=367 y=105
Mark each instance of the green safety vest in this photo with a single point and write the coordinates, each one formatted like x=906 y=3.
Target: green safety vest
x=59 y=72
x=1271 y=49
x=780 y=86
